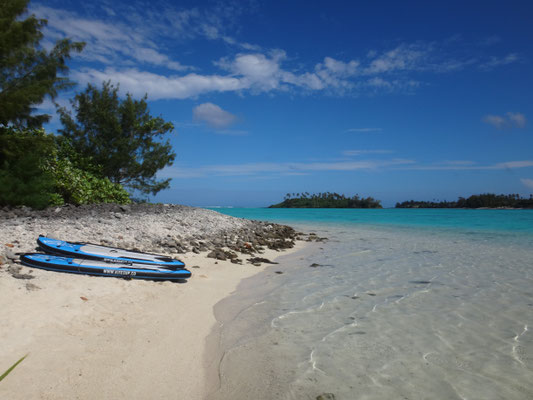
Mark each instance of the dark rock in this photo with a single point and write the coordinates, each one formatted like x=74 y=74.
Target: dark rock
x=326 y=396
x=315 y=265
x=14 y=270
x=279 y=272
x=221 y=254
x=259 y=260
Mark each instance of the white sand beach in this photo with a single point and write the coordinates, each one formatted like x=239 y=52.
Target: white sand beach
x=109 y=338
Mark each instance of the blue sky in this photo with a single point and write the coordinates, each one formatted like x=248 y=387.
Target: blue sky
x=394 y=100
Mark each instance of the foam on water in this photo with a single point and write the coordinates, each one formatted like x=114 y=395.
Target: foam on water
x=390 y=312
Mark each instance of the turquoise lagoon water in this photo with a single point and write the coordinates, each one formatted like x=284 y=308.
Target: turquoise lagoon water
x=513 y=221
x=405 y=304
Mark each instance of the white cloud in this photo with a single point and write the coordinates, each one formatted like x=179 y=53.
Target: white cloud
x=213 y=115
x=495 y=62
x=126 y=55
x=403 y=57
x=111 y=40
x=471 y=166
x=106 y=42
x=341 y=68
x=265 y=72
x=518 y=119
x=300 y=168
x=458 y=162
x=378 y=84
x=280 y=168
x=363 y=152
x=513 y=164
x=334 y=75
x=495 y=120
x=511 y=119
x=259 y=71
x=527 y=182
x=255 y=72
x=138 y=83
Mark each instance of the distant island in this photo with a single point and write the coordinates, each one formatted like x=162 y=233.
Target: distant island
x=326 y=200
x=487 y=200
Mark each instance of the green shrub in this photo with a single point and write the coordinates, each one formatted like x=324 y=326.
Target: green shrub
x=76 y=186
x=39 y=170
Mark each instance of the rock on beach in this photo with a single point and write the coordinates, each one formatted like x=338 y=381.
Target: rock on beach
x=158 y=228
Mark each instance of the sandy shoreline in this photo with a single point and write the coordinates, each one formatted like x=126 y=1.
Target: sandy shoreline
x=93 y=338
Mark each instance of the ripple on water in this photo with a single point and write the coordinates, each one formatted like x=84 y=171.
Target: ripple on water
x=399 y=314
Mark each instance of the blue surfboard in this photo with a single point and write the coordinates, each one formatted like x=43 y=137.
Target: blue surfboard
x=103 y=253
x=102 y=268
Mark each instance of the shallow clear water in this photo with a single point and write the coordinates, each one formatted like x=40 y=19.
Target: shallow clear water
x=436 y=305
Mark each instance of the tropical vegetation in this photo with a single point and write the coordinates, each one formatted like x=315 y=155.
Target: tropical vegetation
x=487 y=200
x=108 y=146
x=28 y=71
x=120 y=136
x=326 y=200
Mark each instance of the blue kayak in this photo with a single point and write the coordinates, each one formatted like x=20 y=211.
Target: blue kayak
x=102 y=268
x=103 y=253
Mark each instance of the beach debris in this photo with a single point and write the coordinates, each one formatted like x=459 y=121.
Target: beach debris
x=84 y=298
x=195 y=266
x=279 y=272
x=12 y=368
x=9 y=245
x=326 y=396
